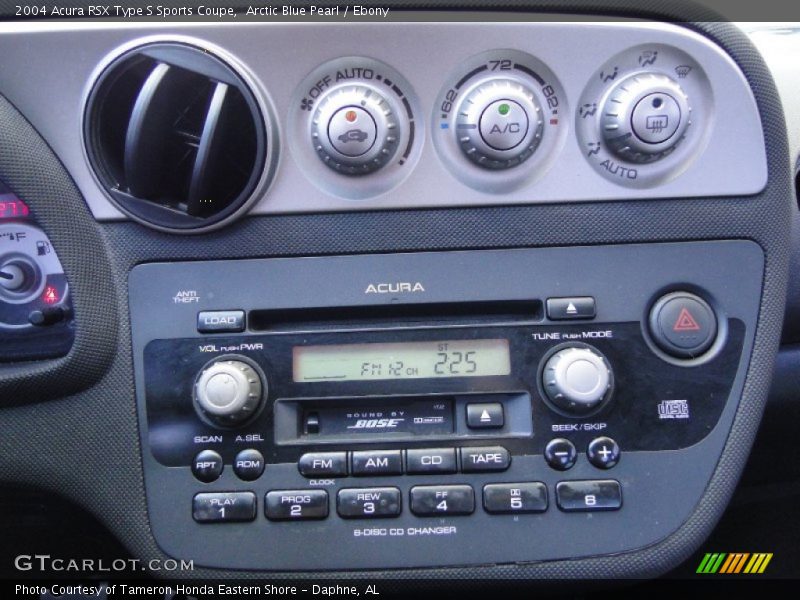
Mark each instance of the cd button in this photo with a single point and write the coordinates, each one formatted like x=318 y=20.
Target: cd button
x=427 y=461
x=220 y=507
x=207 y=466
x=476 y=460
x=296 y=505
x=436 y=500
x=587 y=496
x=508 y=498
x=315 y=464
x=488 y=415
x=378 y=462
x=368 y=503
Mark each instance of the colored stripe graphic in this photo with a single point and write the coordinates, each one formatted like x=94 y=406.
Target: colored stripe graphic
x=734 y=563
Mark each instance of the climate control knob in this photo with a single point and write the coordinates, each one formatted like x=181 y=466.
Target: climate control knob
x=645 y=117
x=355 y=129
x=499 y=123
x=577 y=379
x=228 y=392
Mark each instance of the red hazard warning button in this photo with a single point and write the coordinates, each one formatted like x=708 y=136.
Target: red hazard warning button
x=683 y=324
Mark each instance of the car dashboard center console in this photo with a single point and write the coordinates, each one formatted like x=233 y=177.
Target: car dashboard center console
x=444 y=295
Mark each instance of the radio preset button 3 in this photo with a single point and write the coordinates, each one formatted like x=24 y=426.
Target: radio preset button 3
x=488 y=415
x=560 y=454
x=369 y=503
x=377 y=462
x=437 y=500
x=588 y=496
x=249 y=465
x=603 y=452
x=317 y=464
x=427 y=461
x=510 y=498
x=296 y=505
x=207 y=466
x=222 y=507
x=478 y=460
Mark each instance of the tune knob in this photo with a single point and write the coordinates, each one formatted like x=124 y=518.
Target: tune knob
x=499 y=124
x=645 y=117
x=355 y=130
x=577 y=379
x=228 y=392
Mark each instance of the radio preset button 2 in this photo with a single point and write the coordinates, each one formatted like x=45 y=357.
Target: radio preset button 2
x=488 y=415
x=318 y=464
x=560 y=454
x=296 y=505
x=437 y=500
x=511 y=498
x=603 y=452
x=589 y=496
x=377 y=462
x=207 y=466
x=478 y=460
x=220 y=321
x=427 y=461
x=249 y=465
x=222 y=507
x=369 y=503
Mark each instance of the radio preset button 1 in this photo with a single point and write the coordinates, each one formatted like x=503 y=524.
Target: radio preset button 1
x=317 y=464
x=427 y=461
x=603 y=452
x=488 y=415
x=296 y=505
x=207 y=466
x=369 y=503
x=478 y=460
x=510 y=498
x=249 y=465
x=564 y=309
x=437 y=500
x=221 y=507
x=588 y=496
x=220 y=321
x=377 y=462
x=560 y=454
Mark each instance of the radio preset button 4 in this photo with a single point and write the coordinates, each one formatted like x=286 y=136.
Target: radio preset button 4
x=369 y=503
x=377 y=462
x=437 y=500
x=478 y=460
x=296 y=505
x=317 y=464
x=427 y=461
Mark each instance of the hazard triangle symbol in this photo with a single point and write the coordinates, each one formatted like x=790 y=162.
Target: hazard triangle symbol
x=685 y=322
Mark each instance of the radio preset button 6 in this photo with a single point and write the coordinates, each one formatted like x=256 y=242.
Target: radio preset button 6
x=369 y=503
x=427 y=461
x=488 y=415
x=221 y=507
x=588 y=496
x=477 y=460
x=377 y=462
x=249 y=465
x=207 y=466
x=296 y=505
x=437 y=500
x=317 y=464
x=509 y=498
x=560 y=454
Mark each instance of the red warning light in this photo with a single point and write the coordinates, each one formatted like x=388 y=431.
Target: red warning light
x=351 y=116
x=685 y=322
x=50 y=295
x=12 y=207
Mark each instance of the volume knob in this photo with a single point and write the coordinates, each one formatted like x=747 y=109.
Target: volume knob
x=228 y=392
x=577 y=379
x=645 y=117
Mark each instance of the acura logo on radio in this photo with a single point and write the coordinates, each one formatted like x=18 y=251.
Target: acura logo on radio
x=394 y=288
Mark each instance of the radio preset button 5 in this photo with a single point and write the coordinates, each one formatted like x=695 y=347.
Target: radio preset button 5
x=478 y=460
x=437 y=500
x=317 y=464
x=427 y=461
x=296 y=505
x=369 y=503
x=488 y=415
x=560 y=454
x=588 y=496
x=221 y=507
x=207 y=466
x=509 y=498
x=377 y=462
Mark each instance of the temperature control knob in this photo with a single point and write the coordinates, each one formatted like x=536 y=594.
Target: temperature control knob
x=228 y=392
x=355 y=130
x=645 y=116
x=577 y=379
x=499 y=124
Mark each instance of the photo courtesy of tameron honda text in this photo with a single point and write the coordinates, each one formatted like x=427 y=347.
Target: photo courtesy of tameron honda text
x=301 y=294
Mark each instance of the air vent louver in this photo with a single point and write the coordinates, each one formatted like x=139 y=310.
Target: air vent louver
x=176 y=137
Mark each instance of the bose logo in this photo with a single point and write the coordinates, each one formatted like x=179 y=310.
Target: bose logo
x=376 y=424
x=394 y=288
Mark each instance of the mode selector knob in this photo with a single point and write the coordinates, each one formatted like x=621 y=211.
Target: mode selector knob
x=228 y=392
x=645 y=117
x=499 y=123
x=577 y=379
x=356 y=130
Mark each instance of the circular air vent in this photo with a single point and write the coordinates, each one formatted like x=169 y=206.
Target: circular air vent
x=176 y=137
